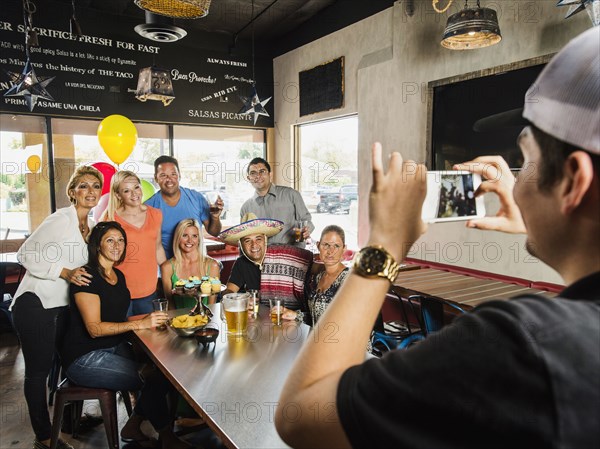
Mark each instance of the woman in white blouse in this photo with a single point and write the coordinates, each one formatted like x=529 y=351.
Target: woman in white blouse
x=54 y=256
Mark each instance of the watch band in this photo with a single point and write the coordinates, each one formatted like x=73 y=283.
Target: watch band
x=389 y=270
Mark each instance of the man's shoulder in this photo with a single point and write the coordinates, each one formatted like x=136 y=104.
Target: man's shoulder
x=534 y=315
x=281 y=189
x=243 y=262
x=154 y=200
x=282 y=254
x=190 y=193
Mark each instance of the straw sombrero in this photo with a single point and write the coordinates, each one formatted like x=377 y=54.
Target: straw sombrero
x=251 y=225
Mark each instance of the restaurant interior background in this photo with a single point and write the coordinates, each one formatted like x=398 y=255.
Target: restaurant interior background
x=390 y=60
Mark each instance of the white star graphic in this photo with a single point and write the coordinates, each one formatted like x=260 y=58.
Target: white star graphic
x=254 y=105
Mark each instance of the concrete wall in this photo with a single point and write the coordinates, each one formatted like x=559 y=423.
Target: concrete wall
x=387 y=56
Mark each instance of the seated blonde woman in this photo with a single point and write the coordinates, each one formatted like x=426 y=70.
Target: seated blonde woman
x=188 y=261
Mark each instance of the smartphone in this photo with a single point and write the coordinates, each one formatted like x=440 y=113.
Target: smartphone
x=451 y=197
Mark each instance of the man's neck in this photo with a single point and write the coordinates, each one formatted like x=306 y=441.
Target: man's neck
x=264 y=191
x=173 y=199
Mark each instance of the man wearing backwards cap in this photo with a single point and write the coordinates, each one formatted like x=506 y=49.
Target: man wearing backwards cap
x=519 y=373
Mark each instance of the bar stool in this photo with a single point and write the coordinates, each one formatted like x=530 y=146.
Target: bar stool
x=108 y=406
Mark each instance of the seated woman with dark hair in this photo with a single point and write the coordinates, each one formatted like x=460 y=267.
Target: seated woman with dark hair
x=324 y=284
x=96 y=352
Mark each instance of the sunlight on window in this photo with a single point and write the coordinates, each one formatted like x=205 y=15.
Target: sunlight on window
x=329 y=174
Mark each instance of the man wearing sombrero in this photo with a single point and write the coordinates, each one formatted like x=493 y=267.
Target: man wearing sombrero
x=276 y=270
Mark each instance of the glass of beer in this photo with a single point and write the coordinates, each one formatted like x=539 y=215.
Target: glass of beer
x=299 y=227
x=276 y=309
x=234 y=306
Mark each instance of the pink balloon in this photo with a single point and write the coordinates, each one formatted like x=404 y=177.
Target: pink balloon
x=107 y=171
x=100 y=207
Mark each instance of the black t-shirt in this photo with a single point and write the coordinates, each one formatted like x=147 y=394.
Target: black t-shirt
x=114 y=302
x=245 y=274
x=519 y=373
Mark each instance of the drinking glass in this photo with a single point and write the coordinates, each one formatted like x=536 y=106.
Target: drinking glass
x=234 y=306
x=299 y=227
x=276 y=309
x=160 y=305
x=253 y=302
x=212 y=199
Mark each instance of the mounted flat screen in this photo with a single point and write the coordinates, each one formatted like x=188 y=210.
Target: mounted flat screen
x=322 y=87
x=457 y=104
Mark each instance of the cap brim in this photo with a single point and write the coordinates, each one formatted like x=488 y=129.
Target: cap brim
x=264 y=226
x=503 y=120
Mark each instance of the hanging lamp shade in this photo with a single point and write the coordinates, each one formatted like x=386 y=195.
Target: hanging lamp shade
x=155 y=84
x=472 y=28
x=181 y=9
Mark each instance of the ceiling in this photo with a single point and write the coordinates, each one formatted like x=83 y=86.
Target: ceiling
x=278 y=26
x=274 y=18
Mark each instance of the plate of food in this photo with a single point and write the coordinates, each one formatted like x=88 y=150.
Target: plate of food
x=185 y=325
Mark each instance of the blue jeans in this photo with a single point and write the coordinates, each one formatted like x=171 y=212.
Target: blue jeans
x=141 y=306
x=115 y=368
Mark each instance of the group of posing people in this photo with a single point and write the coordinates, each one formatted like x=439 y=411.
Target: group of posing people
x=519 y=373
x=73 y=302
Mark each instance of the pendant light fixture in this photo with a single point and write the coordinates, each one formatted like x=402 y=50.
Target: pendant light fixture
x=472 y=28
x=155 y=83
x=253 y=105
x=179 y=9
x=27 y=84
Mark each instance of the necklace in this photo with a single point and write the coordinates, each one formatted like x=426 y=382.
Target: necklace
x=83 y=228
x=111 y=278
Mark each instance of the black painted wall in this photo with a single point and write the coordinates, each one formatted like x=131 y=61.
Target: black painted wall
x=96 y=75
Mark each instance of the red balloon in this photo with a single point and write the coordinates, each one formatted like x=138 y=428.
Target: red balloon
x=107 y=171
x=100 y=207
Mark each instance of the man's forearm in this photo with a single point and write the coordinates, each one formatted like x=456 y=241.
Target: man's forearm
x=214 y=226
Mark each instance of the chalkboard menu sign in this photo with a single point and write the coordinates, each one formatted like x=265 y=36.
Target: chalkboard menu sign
x=322 y=87
x=95 y=75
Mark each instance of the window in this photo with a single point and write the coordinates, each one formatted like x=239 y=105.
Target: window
x=76 y=142
x=215 y=159
x=211 y=160
x=328 y=152
x=25 y=178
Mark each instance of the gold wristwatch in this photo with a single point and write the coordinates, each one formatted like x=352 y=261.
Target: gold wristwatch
x=374 y=261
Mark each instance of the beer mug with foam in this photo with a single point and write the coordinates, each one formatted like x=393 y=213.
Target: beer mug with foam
x=234 y=310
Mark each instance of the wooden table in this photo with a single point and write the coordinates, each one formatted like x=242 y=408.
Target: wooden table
x=234 y=384
x=466 y=291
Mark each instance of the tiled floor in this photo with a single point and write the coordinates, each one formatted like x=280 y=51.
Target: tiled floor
x=15 y=428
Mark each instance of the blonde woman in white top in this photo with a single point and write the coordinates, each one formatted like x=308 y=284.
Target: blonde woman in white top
x=54 y=256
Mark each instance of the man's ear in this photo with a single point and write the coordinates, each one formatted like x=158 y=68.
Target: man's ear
x=578 y=175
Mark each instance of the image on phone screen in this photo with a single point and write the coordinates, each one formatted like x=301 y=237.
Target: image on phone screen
x=457 y=197
x=451 y=197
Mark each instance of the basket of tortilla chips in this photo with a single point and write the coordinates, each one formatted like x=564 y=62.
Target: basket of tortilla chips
x=186 y=325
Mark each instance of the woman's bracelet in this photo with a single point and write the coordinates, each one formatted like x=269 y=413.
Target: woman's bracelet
x=299 y=316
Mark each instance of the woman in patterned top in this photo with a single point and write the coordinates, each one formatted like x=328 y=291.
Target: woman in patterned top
x=324 y=284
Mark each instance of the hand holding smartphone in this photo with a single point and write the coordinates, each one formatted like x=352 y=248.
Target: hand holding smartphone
x=451 y=197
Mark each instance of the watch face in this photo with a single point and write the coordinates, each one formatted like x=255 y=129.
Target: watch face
x=373 y=260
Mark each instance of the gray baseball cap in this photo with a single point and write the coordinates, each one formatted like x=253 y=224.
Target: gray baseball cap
x=564 y=101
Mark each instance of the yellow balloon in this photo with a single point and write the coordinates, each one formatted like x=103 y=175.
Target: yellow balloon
x=117 y=136
x=34 y=163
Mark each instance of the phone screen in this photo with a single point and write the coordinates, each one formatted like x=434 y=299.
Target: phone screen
x=451 y=196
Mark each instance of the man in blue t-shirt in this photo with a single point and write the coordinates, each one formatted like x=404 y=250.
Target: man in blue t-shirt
x=178 y=203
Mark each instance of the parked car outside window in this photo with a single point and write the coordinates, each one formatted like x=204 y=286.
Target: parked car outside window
x=338 y=201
